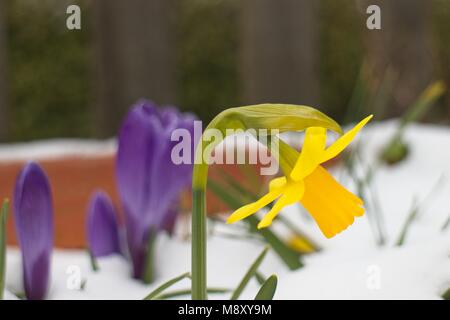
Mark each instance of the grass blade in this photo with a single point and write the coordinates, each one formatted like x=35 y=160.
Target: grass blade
x=186 y=292
x=166 y=285
x=250 y=273
x=446 y=224
x=415 y=210
x=93 y=261
x=260 y=277
x=267 y=290
x=3 y=217
x=410 y=218
x=446 y=294
x=396 y=150
x=147 y=277
x=433 y=92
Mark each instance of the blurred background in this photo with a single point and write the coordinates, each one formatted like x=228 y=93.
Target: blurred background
x=207 y=55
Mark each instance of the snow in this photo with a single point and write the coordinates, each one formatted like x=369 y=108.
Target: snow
x=350 y=266
x=56 y=148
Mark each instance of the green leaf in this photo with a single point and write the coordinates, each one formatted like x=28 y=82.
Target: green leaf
x=166 y=285
x=446 y=294
x=185 y=292
x=409 y=219
x=423 y=103
x=249 y=173
x=260 y=277
x=225 y=176
x=289 y=256
x=3 y=217
x=267 y=290
x=397 y=150
x=147 y=277
x=287 y=156
x=250 y=273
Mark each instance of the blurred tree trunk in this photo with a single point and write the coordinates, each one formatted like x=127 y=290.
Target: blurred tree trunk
x=134 y=57
x=403 y=45
x=4 y=121
x=279 y=51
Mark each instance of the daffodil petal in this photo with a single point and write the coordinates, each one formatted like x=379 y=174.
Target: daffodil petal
x=300 y=244
x=249 y=209
x=332 y=206
x=341 y=143
x=293 y=193
x=311 y=154
x=277 y=183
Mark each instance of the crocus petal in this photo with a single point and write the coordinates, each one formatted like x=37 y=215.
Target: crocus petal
x=331 y=205
x=342 y=143
x=138 y=140
x=149 y=182
x=102 y=226
x=137 y=238
x=168 y=223
x=33 y=214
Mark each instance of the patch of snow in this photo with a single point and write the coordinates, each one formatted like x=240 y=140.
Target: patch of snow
x=56 y=148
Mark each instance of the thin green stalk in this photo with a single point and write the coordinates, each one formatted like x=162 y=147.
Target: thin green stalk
x=155 y=293
x=199 y=245
x=260 y=277
x=149 y=269
x=409 y=219
x=446 y=224
x=3 y=217
x=185 y=292
x=249 y=274
x=93 y=261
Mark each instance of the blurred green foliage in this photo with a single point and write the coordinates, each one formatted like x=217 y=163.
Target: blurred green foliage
x=50 y=67
x=207 y=60
x=49 y=72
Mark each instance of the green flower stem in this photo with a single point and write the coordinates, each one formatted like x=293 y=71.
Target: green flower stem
x=3 y=216
x=149 y=270
x=199 y=244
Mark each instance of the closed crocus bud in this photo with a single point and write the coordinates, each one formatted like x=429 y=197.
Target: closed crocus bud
x=33 y=214
x=149 y=182
x=102 y=226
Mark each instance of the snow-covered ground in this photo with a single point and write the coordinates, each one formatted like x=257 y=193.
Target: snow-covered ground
x=350 y=266
x=56 y=148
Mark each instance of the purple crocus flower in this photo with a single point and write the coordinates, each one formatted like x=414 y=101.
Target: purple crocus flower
x=102 y=226
x=149 y=183
x=33 y=214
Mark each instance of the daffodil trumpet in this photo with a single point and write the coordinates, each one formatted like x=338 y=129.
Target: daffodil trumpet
x=333 y=207
x=264 y=116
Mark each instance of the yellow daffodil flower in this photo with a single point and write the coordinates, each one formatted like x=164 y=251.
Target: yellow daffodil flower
x=333 y=207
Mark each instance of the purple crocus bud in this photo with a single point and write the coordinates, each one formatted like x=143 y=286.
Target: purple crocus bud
x=33 y=214
x=102 y=226
x=149 y=182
